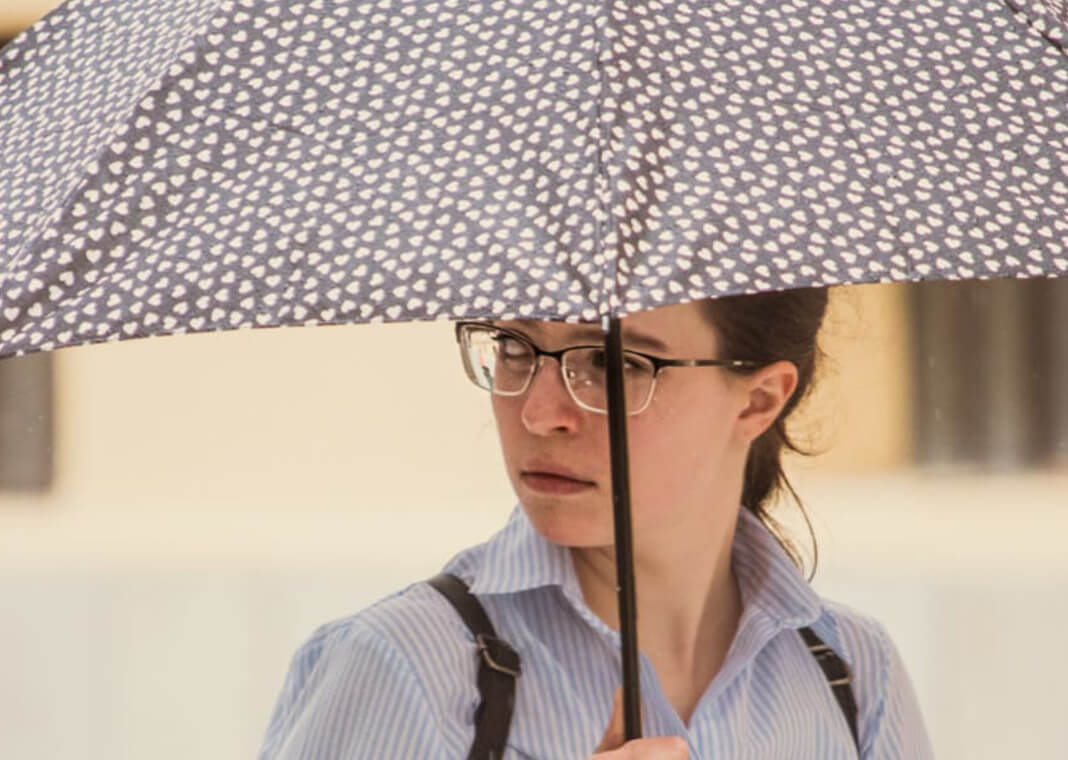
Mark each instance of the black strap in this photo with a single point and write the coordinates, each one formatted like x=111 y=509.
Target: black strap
x=498 y=670
x=838 y=675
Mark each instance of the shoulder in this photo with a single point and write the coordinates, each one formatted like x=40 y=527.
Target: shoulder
x=407 y=654
x=862 y=639
x=890 y=721
x=415 y=625
x=865 y=645
x=416 y=629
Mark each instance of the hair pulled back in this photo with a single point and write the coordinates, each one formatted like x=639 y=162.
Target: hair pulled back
x=770 y=327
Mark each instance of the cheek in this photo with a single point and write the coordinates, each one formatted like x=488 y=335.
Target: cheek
x=680 y=445
x=506 y=415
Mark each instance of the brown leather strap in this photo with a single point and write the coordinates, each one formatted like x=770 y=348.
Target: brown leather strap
x=838 y=676
x=498 y=670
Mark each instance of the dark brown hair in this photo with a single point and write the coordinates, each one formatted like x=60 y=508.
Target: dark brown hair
x=769 y=327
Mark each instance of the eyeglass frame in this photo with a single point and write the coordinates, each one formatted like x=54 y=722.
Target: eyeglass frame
x=657 y=362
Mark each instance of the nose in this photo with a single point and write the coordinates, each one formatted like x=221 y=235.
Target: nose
x=547 y=406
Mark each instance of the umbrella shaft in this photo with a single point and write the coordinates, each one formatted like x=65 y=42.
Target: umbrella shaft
x=628 y=615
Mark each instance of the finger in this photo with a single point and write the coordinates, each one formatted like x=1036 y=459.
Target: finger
x=656 y=748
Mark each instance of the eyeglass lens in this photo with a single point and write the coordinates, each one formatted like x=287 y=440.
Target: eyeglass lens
x=501 y=363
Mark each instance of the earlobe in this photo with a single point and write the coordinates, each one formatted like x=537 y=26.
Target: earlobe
x=769 y=390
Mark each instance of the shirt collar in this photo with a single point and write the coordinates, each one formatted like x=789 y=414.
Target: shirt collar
x=768 y=577
x=518 y=558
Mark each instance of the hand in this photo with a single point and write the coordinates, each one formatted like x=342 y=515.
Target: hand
x=612 y=746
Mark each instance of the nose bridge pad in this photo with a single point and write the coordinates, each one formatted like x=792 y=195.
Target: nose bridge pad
x=539 y=370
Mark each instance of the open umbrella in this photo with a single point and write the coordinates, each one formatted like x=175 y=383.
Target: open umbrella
x=194 y=165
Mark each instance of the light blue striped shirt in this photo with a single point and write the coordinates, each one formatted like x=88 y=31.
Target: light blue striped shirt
x=398 y=679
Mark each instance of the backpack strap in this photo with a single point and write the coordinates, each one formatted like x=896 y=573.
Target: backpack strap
x=498 y=670
x=838 y=676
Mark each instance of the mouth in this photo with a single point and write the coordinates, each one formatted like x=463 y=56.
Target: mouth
x=554 y=481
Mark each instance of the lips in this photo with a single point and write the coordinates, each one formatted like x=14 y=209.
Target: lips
x=549 y=479
x=554 y=485
x=549 y=469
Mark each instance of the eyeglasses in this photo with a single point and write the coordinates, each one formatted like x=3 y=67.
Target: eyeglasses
x=504 y=362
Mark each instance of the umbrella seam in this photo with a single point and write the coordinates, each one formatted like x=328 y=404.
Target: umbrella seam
x=63 y=207
x=1029 y=14
x=610 y=267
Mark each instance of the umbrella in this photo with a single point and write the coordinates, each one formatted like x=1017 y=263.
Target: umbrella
x=192 y=165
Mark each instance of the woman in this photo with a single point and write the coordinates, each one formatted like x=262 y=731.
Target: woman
x=721 y=601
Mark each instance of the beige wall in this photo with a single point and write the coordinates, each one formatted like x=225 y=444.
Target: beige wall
x=16 y=15
x=858 y=415
x=173 y=445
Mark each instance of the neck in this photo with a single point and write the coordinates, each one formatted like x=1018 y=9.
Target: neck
x=688 y=601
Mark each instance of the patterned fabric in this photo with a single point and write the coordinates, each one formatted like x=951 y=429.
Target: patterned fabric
x=398 y=679
x=184 y=165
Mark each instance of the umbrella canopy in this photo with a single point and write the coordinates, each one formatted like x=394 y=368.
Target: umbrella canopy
x=201 y=165
x=171 y=166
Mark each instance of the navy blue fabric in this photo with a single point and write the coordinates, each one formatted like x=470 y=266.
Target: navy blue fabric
x=170 y=166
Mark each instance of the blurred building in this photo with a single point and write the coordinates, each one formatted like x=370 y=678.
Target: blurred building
x=990 y=369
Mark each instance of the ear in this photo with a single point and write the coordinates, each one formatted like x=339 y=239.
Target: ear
x=765 y=394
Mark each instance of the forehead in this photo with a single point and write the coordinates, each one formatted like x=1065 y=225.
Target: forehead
x=667 y=329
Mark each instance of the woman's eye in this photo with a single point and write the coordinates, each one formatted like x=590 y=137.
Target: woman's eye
x=598 y=360
x=509 y=347
x=632 y=364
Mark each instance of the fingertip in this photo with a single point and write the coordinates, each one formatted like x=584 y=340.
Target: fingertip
x=679 y=748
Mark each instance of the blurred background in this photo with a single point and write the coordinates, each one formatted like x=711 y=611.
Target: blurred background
x=178 y=514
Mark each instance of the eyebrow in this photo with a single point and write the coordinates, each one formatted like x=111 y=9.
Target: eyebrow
x=630 y=337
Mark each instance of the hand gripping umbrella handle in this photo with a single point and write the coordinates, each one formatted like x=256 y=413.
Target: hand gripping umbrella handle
x=628 y=617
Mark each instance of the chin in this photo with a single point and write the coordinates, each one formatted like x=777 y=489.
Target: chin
x=571 y=525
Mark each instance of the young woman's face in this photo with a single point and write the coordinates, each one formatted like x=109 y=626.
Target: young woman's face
x=687 y=448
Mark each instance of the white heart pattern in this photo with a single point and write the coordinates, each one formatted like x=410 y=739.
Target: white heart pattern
x=221 y=164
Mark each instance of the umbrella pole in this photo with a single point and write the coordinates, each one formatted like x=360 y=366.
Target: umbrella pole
x=628 y=617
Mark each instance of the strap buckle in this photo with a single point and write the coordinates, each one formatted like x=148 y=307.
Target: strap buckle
x=824 y=653
x=498 y=655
